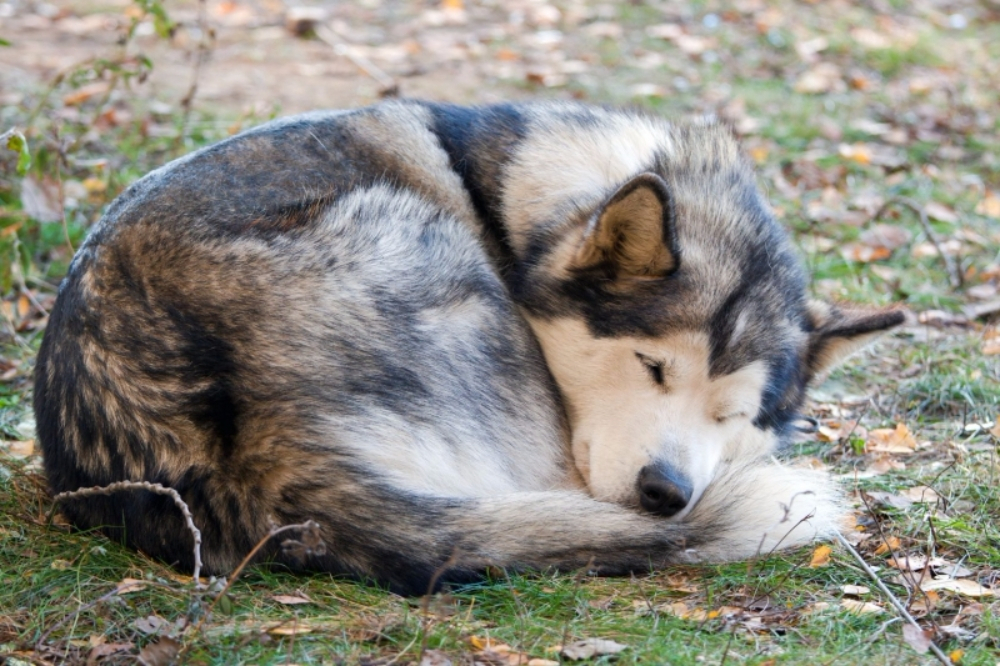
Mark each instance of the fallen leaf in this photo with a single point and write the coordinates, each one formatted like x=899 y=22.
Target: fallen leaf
x=864 y=254
x=857 y=152
x=860 y=607
x=435 y=658
x=964 y=587
x=995 y=430
x=821 y=78
x=290 y=629
x=151 y=624
x=956 y=656
x=889 y=236
x=890 y=500
x=943 y=567
x=990 y=205
x=940 y=212
x=917 y=638
x=83 y=93
x=591 y=647
x=890 y=543
x=542 y=662
x=891 y=440
x=908 y=562
x=40 y=199
x=161 y=652
x=291 y=600
x=129 y=585
x=820 y=556
x=854 y=590
x=20 y=449
x=107 y=649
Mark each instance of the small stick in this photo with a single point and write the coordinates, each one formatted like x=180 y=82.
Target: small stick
x=273 y=532
x=388 y=85
x=897 y=604
x=955 y=276
x=153 y=488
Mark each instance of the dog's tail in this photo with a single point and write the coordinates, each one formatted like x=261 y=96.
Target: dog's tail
x=413 y=544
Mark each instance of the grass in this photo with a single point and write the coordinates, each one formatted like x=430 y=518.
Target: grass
x=56 y=587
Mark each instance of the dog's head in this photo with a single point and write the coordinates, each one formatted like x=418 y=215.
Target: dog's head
x=675 y=322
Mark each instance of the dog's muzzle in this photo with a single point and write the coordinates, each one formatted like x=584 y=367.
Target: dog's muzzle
x=663 y=490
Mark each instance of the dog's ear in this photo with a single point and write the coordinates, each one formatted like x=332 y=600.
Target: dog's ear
x=840 y=330
x=633 y=231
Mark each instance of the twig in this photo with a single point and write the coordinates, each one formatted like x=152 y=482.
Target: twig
x=205 y=36
x=955 y=276
x=153 y=488
x=897 y=604
x=309 y=525
x=425 y=604
x=388 y=85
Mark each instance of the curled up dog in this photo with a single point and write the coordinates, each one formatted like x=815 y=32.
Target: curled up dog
x=525 y=336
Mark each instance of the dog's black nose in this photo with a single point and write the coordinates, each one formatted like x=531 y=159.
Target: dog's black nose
x=663 y=490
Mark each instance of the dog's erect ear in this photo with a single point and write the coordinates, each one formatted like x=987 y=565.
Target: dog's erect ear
x=840 y=330
x=633 y=231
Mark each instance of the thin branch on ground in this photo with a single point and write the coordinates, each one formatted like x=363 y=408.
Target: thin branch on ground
x=955 y=276
x=425 y=604
x=897 y=604
x=308 y=526
x=153 y=488
x=388 y=87
x=206 y=35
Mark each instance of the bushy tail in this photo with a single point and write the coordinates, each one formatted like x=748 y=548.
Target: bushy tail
x=418 y=543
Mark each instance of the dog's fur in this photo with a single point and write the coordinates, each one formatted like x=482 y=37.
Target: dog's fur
x=455 y=337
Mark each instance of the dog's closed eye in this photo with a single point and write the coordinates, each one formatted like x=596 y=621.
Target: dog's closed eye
x=731 y=414
x=655 y=367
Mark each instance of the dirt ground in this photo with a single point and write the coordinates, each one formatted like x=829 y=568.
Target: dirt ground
x=255 y=62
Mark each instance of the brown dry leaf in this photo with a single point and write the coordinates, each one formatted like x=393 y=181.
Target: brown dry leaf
x=816 y=607
x=891 y=440
x=990 y=205
x=129 y=585
x=435 y=658
x=161 y=652
x=890 y=500
x=483 y=644
x=964 y=587
x=890 y=543
x=102 y=650
x=291 y=599
x=19 y=449
x=820 y=556
x=860 y=607
x=991 y=344
x=889 y=236
x=290 y=629
x=857 y=152
x=41 y=199
x=591 y=647
x=854 y=590
x=995 y=430
x=82 y=94
x=864 y=254
x=542 y=662
x=908 y=562
x=821 y=78
x=940 y=212
x=917 y=638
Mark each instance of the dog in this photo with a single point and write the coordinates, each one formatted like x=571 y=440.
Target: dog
x=527 y=336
